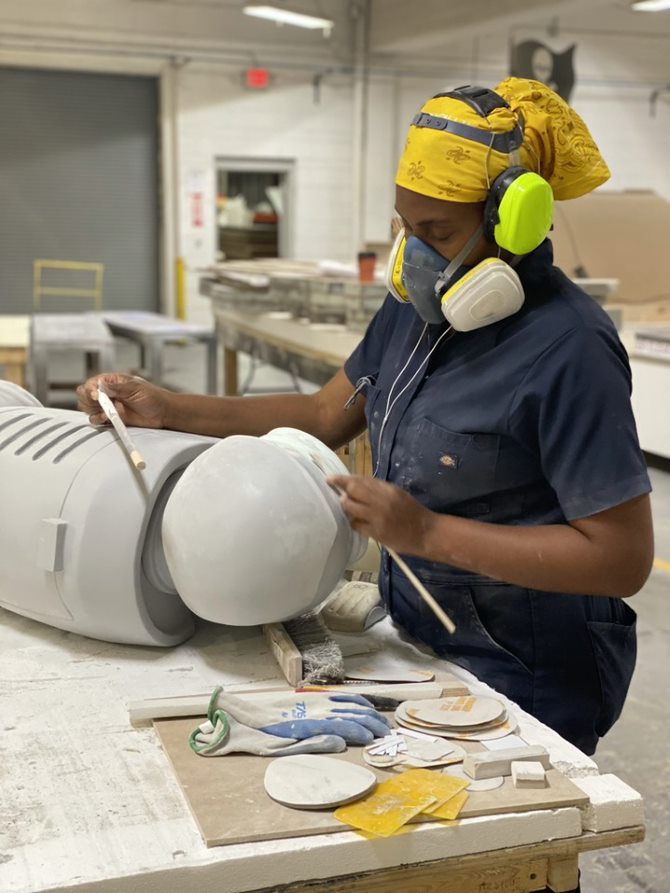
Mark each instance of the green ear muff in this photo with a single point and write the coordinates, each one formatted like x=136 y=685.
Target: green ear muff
x=519 y=210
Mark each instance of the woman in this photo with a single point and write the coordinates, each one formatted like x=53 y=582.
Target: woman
x=507 y=466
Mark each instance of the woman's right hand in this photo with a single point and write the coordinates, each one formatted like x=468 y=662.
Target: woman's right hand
x=138 y=403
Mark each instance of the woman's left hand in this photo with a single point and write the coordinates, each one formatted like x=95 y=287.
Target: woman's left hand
x=385 y=513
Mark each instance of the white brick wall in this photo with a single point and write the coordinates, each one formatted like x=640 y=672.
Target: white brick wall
x=615 y=77
x=218 y=117
x=617 y=69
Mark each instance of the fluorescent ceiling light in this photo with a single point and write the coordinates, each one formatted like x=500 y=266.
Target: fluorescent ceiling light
x=651 y=5
x=287 y=17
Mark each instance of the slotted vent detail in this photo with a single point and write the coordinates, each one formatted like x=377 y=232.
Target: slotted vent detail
x=24 y=429
x=50 y=435
x=59 y=438
x=14 y=420
x=40 y=436
x=70 y=448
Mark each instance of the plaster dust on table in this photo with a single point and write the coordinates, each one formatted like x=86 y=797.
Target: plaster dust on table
x=89 y=800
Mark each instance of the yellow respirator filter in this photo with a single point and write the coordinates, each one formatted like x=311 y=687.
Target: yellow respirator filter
x=393 y=277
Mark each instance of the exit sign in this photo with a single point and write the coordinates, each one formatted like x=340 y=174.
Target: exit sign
x=257 y=78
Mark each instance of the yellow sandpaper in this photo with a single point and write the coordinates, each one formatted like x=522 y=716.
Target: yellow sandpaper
x=442 y=787
x=450 y=809
x=384 y=811
x=396 y=801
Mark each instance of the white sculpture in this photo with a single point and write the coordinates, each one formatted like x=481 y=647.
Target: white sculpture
x=240 y=531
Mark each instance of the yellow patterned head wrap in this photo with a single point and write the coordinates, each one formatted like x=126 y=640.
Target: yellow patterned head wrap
x=557 y=145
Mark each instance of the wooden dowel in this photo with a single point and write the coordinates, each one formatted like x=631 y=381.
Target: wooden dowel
x=110 y=411
x=443 y=617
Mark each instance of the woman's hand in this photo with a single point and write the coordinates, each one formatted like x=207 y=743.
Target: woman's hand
x=385 y=513
x=139 y=403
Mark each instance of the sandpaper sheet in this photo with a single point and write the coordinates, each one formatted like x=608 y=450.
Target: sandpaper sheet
x=228 y=801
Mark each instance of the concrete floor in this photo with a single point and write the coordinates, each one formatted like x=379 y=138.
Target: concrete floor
x=637 y=748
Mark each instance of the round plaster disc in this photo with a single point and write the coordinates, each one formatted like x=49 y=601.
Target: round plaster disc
x=482 y=784
x=456 y=712
x=309 y=781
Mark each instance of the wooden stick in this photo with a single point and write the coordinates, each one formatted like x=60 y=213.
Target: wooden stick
x=110 y=411
x=444 y=618
x=143 y=713
x=441 y=615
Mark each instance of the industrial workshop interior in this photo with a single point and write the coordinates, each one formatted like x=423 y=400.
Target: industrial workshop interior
x=334 y=446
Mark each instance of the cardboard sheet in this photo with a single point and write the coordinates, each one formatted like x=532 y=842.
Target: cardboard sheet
x=596 y=231
x=228 y=801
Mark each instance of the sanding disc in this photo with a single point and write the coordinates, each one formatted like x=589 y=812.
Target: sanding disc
x=509 y=726
x=309 y=781
x=408 y=724
x=380 y=668
x=430 y=727
x=456 y=712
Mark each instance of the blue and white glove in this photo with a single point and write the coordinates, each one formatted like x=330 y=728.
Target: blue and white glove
x=282 y=724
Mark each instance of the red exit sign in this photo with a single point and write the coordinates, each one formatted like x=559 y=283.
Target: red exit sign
x=257 y=78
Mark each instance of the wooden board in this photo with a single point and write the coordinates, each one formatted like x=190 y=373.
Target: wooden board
x=229 y=803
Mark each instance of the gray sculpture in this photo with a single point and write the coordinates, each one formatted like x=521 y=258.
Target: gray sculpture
x=239 y=531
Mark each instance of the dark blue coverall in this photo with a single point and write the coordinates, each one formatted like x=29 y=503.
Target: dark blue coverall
x=524 y=422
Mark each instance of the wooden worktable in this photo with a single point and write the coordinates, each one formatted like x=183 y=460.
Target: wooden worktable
x=314 y=352
x=90 y=805
x=14 y=347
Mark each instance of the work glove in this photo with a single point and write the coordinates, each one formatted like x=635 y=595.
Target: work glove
x=283 y=724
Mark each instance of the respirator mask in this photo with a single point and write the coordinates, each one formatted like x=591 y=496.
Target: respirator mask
x=439 y=288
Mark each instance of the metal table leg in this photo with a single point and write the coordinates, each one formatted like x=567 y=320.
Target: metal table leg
x=153 y=351
x=38 y=363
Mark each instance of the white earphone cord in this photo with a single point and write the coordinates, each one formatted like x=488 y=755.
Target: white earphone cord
x=389 y=408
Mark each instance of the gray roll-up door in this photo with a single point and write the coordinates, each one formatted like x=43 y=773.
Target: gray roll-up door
x=79 y=182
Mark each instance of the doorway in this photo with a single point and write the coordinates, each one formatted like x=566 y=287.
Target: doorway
x=253 y=208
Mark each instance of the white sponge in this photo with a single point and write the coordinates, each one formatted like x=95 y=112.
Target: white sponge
x=528 y=774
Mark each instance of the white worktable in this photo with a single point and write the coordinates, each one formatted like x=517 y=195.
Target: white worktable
x=152 y=331
x=651 y=388
x=91 y=804
x=82 y=332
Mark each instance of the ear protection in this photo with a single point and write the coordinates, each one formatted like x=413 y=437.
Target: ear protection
x=517 y=217
x=519 y=207
x=518 y=211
